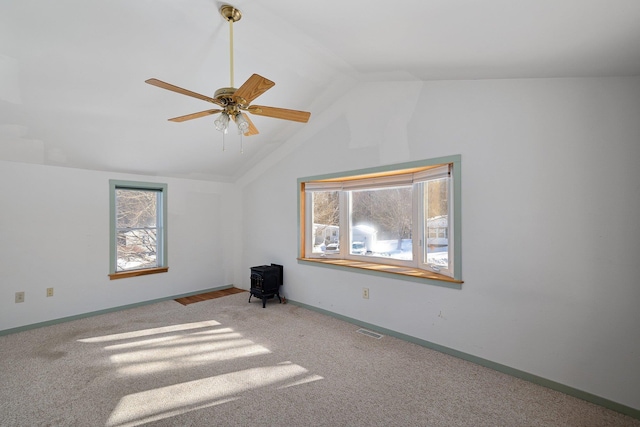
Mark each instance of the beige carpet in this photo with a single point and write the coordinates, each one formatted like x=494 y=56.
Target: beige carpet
x=225 y=362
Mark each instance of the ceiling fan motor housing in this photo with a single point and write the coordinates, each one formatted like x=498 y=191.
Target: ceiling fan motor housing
x=225 y=94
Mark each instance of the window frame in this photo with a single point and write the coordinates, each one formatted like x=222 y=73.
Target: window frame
x=414 y=270
x=451 y=231
x=161 y=212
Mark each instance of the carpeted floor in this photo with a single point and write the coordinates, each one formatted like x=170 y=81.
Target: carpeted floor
x=227 y=362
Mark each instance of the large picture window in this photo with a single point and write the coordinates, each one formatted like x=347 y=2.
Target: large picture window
x=138 y=228
x=402 y=219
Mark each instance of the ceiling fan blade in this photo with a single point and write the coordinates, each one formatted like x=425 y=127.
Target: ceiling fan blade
x=251 y=89
x=194 y=115
x=280 y=113
x=173 y=88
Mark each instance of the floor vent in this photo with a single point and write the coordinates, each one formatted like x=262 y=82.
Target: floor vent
x=370 y=333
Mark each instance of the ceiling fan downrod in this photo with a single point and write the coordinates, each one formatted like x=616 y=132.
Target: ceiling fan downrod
x=231 y=15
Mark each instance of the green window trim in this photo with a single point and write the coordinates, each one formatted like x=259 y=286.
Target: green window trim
x=162 y=260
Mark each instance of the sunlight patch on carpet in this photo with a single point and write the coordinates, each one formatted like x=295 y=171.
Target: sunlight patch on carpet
x=149 y=332
x=220 y=334
x=165 y=402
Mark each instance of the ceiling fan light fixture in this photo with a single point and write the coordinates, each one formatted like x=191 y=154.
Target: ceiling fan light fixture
x=222 y=122
x=243 y=124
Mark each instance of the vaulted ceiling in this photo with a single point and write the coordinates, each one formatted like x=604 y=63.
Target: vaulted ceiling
x=72 y=72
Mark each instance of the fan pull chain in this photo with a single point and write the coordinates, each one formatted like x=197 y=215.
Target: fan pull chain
x=241 y=147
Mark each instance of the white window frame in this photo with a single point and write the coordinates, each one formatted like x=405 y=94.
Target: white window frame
x=424 y=177
x=161 y=228
x=392 y=175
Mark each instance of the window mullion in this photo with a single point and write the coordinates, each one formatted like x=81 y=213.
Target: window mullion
x=345 y=214
x=450 y=227
x=308 y=221
x=417 y=226
x=159 y=230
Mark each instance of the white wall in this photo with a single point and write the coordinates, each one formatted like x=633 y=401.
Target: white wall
x=550 y=232
x=54 y=232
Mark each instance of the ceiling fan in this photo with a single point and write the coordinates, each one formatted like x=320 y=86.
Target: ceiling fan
x=234 y=102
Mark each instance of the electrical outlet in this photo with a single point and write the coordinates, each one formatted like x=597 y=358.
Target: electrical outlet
x=49 y=292
x=19 y=297
x=365 y=293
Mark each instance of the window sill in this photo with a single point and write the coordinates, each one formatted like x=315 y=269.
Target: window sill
x=134 y=273
x=404 y=273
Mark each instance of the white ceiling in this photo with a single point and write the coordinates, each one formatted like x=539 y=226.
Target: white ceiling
x=72 y=72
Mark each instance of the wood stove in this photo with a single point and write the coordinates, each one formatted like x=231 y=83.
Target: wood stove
x=265 y=282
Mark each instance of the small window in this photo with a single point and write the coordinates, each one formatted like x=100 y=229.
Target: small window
x=138 y=228
x=400 y=219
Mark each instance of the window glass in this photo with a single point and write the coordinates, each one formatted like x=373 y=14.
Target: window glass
x=136 y=228
x=436 y=223
x=326 y=222
x=381 y=222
